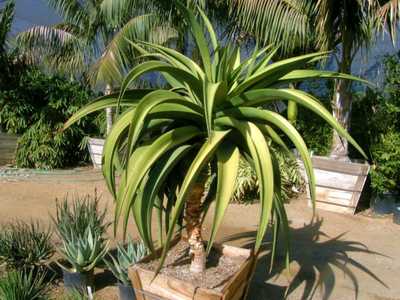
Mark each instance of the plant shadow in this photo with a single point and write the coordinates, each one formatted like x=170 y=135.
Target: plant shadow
x=316 y=261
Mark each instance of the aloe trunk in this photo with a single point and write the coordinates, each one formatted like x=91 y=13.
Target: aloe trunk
x=341 y=105
x=193 y=228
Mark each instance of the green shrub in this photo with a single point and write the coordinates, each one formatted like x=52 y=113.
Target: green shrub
x=385 y=175
x=376 y=125
x=25 y=246
x=19 y=285
x=43 y=147
x=35 y=106
x=316 y=133
x=246 y=189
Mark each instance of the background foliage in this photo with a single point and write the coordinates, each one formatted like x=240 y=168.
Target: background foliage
x=35 y=105
x=376 y=125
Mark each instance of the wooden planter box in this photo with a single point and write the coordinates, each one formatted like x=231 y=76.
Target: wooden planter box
x=338 y=184
x=8 y=146
x=169 y=288
x=95 y=147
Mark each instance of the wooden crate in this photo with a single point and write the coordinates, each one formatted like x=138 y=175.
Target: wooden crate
x=168 y=288
x=338 y=184
x=95 y=147
x=8 y=146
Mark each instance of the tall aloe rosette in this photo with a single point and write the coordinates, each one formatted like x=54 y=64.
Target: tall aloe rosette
x=167 y=143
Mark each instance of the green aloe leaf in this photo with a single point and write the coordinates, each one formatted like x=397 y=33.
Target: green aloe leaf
x=288 y=129
x=261 y=158
x=262 y=96
x=272 y=72
x=145 y=157
x=142 y=210
x=131 y=98
x=228 y=157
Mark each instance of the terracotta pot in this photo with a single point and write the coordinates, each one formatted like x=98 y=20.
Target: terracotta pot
x=148 y=287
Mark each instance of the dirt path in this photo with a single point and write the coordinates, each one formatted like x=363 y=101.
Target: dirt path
x=344 y=257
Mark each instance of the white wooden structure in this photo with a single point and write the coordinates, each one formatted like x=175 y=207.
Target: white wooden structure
x=338 y=184
x=96 y=151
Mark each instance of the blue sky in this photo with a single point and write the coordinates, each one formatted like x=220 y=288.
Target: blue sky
x=32 y=12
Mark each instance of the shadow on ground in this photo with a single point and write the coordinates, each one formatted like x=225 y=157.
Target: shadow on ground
x=314 y=262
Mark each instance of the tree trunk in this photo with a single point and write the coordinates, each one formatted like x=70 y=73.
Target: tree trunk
x=109 y=110
x=193 y=227
x=342 y=103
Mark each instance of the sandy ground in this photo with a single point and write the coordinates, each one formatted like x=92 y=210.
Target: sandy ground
x=333 y=257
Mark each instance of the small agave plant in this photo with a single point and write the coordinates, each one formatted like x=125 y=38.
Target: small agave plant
x=211 y=114
x=127 y=256
x=84 y=252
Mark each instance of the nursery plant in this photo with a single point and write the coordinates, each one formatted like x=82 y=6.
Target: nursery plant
x=25 y=246
x=127 y=255
x=213 y=113
x=77 y=213
x=80 y=224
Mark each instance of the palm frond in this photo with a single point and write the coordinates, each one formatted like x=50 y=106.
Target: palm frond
x=6 y=18
x=389 y=16
x=287 y=23
x=59 y=46
x=119 y=54
x=72 y=11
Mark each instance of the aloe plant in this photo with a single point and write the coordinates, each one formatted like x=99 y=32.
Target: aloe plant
x=84 y=252
x=212 y=113
x=127 y=256
x=81 y=227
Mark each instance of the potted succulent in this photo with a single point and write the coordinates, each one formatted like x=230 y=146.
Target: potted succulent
x=170 y=141
x=81 y=228
x=126 y=256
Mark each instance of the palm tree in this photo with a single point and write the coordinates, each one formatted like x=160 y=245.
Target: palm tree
x=93 y=39
x=168 y=141
x=298 y=25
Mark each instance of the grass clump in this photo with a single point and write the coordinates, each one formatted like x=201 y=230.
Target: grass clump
x=23 y=285
x=25 y=246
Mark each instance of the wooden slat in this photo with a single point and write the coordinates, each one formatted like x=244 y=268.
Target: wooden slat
x=337 y=180
x=136 y=283
x=206 y=294
x=174 y=289
x=338 y=184
x=237 y=284
x=327 y=164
